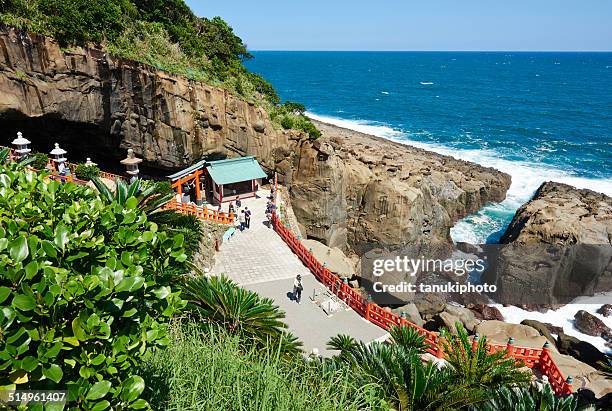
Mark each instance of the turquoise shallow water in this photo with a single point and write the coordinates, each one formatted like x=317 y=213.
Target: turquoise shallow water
x=537 y=116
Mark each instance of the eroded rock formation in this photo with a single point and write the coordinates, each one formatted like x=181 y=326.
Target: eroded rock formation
x=560 y=247
x=355 y=188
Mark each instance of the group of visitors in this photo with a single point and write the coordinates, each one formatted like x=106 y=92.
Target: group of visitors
x=270 y=209
x=242 y=217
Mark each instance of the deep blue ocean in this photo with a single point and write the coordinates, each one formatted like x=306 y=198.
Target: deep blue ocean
x=537 y=116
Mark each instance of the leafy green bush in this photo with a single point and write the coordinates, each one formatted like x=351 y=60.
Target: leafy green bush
x=295 y=108
x=76 y=21
x=290 y=115
x=263 y=87
x=86 y=172
x=287 y=122
x=83 y=290
x=40 y=161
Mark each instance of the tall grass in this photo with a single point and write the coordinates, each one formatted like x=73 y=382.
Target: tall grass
x=208 y=370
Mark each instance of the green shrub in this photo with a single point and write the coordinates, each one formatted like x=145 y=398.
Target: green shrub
x=77 y=21
x=263 y=87
x=86 y=172
x=40 y=161
x=287 y=122
x=290 y=115
x=83 y=290
x=295 y=108
x=306 y=125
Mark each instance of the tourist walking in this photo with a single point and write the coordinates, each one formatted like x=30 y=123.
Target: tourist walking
x=238 y=202
x=297 y=289
x=231 y=209
x=247 y=217
x=242 y=220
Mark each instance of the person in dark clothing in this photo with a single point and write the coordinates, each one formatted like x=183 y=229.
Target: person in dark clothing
x=238 y=202
x=297 y=289
x=247 y=217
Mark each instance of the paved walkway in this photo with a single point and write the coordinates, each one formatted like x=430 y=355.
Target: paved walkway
x=257 y=254
x=259 y=260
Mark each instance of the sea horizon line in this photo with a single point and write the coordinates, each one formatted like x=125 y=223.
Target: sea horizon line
x=437 y=51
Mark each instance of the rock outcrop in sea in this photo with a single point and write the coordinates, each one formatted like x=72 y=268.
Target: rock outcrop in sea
x=559 y=247
x=346 y=187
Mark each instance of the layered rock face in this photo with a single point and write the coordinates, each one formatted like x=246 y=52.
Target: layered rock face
x=347 y=188
x=355 y=188
x=84 y=97
x=560 y=247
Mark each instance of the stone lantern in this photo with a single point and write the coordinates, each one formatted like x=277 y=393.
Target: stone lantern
x=131 y=164
x=90 y=163
x=58 y=155
x=21 y=146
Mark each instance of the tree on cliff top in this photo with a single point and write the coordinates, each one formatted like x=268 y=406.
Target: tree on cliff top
x=209 y=46
x=165 y=34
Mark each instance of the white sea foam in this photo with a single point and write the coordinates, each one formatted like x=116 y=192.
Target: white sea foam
x=384 y=92
x=426 y=83
x=564 y=317
x=526 y=176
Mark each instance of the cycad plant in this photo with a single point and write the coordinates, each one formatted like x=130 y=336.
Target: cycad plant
x=4 y=157
x=408 y=337
x=532 y=398
x=477 y=367
x=148 y=197
x=218 y=300
x=404 y=380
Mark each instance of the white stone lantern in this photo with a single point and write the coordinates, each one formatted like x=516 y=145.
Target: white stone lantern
x=90 y=163
x=21 y=146
x=58 y=155
x=131 y=164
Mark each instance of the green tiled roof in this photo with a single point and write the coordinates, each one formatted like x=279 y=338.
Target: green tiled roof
x=235 y=170
x=187 y=171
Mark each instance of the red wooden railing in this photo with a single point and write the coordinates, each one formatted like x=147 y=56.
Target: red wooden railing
x=201 y=212
x=538 y=358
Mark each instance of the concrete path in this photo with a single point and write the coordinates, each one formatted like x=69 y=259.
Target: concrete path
x=257 y=254
x=259 y=260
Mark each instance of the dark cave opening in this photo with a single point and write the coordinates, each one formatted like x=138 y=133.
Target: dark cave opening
x=80 y=140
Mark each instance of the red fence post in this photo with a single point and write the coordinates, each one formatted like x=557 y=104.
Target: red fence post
x=544 y=355
x=475 y=341
x=568 y=386
x=510 y=346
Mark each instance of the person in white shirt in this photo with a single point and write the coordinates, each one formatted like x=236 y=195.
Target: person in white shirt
x=242 y=219
x=297 y=289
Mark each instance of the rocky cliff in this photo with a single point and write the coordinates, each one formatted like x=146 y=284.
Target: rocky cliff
x=561 y=214
x=88 y=100
x=356 y=188
x=559 y=247
x=346 y=188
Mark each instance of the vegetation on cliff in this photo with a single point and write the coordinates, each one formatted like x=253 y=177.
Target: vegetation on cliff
x=165 y=34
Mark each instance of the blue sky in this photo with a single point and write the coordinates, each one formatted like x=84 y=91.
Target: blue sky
x=416 y=24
